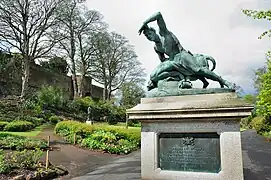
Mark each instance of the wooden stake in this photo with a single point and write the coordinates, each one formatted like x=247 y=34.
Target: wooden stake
x=74 y=138
x=47 y=160
x=48 y=141
x=127 y=119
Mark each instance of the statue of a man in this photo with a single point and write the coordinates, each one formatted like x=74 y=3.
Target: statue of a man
x=179 y=60
x=90 y=116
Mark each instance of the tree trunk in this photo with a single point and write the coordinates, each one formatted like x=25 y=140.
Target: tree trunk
x=81 y=89
x=75 y=86
x=105 y=92
x=25 y=77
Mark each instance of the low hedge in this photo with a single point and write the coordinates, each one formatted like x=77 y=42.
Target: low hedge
x=9 y=141
x=3 y=125
x=19 y=126
x=34 y=120
x=54 y=119
x=112 y=139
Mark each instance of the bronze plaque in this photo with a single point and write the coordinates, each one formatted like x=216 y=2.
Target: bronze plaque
x=196 y=152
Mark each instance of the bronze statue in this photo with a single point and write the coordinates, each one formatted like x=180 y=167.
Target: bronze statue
x=180 y=65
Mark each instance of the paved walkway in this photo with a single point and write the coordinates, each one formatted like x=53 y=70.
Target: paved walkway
x=256 y=157
x=76 y=160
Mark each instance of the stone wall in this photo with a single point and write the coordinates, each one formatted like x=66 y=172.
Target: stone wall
x=39 y=77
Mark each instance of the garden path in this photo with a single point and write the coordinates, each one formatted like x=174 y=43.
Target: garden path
x=84 y=165
x=76 y=160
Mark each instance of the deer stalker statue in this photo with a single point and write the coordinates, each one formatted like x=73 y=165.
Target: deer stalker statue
x=180 y=65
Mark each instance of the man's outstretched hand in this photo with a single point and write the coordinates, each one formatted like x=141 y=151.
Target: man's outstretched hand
x=144 y=26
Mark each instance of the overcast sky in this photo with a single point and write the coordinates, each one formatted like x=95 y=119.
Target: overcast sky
x=212 y=27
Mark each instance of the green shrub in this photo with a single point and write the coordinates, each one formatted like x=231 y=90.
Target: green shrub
x=26 y=159
x=34 y=107
x=35 y=120
x=19 y=126
x=82 y=104
x=245 y=123
x=4 y=166
x=9 y=141
x=3 y=125
x=99 y=109
x=108 y=142
x=54 y=119
x=112 y=139
x=261 y=125
x=50 y=96
x=5 y=118
x=116 y=114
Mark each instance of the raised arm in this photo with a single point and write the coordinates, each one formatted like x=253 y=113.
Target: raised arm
x=160 y=21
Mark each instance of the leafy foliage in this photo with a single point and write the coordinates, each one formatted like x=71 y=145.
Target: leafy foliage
x=131 y=93
x=56 y=64
x=19 y=126
x=108 y=142
x=54 y=119
x=260 y=15
x=100 y=109
x=106 y=138
x=264 y=97
x=3 y=125
x=9 y=141
x=50 y=96
x=261 y=124
x=250 y=98
x=26 y=159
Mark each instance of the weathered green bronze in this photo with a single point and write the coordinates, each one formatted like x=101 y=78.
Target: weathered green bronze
x=179 y=65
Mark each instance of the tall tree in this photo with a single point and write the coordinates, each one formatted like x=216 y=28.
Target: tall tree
x=76 y=21
x=24 y=25
x=258 y=78
x=89 y=22
x=264 y=97
x=131 y=94
x=114 y=62
x=264 y=15
x=68 y=16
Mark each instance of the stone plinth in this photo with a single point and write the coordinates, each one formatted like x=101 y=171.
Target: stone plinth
x=195 y=137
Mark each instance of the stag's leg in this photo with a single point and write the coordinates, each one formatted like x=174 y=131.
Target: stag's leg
x=204 y=81
x=203 y=72
x=211 y=75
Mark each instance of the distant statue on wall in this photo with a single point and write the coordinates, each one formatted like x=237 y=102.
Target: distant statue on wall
x=90 y=115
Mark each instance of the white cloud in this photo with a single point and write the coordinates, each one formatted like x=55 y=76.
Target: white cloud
x=216 y=28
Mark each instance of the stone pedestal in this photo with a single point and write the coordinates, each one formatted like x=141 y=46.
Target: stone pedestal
x=194 y=137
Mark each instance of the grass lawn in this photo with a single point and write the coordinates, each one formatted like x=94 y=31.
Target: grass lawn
x=32 y=133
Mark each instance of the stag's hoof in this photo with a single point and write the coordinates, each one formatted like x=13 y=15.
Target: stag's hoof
x=230 y=85
x=185 y=85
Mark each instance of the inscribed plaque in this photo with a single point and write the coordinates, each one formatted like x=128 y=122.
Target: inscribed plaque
x=196 y=152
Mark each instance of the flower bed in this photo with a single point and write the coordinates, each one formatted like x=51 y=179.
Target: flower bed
x=110 y=139
x=9 y=141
